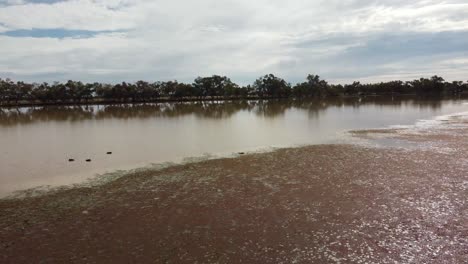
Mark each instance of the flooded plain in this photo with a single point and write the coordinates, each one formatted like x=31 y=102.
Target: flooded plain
x=38 y=142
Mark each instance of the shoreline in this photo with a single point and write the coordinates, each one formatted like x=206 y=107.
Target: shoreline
x=319 y=203
x=106 y=177
x=220 y=99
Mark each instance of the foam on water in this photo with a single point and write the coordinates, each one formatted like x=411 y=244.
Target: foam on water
x=438 y=122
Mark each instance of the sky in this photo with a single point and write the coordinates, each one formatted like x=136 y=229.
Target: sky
x=159 y=40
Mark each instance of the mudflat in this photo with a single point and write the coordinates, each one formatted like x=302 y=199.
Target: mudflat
x=356 y=203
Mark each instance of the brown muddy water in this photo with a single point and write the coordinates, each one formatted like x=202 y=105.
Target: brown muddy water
x=37 y=142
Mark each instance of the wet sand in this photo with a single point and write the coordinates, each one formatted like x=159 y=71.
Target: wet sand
x=356 y=203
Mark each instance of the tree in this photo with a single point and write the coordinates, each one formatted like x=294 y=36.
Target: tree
x=143 y=91
x=313 y=87
x=75 y=91
x=437 y=84
x=270 y=85
x=22 y=91
x=3 y=90
x=9 y=90
x=353 y=89
x=88 y=91
x=213 y=86
x=167 y=89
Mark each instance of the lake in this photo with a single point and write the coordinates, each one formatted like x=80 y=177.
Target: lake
x=37 y=142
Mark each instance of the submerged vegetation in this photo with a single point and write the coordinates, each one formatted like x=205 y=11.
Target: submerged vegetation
x=208 y=88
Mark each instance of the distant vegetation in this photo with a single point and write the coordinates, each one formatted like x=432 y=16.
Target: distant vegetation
x=214 y=87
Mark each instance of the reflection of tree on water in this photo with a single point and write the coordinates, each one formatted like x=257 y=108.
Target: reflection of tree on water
x=204 y=109
x=16 y=116
x=213 y=110
x=314 y=107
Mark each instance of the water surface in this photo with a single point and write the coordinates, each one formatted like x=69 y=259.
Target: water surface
x=36 y=142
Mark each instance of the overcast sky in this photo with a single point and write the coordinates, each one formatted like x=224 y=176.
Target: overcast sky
x=128 y=40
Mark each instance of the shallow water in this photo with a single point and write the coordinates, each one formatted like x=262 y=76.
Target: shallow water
x=36 y=143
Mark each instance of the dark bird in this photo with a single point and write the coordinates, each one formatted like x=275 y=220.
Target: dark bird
x=109 y=153
x=71 y=160
x=88 y=160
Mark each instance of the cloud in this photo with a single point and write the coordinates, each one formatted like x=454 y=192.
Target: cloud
x=51 y=33
x=74 y=15
x=116 y=40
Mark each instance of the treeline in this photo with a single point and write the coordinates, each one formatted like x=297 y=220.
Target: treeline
x=214 y=87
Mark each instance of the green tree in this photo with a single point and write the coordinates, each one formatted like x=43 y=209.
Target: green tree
x=313 y=87
x=213 y=86
x=353 y=89
x=270 y=85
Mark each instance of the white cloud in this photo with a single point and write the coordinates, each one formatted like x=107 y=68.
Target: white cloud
x=162 y=39
x=75 y=14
